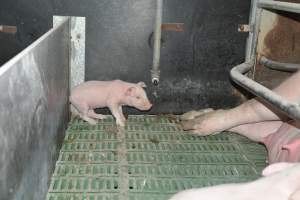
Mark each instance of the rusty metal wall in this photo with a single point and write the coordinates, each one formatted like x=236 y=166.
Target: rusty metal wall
x=279 y=40
x=33 y=115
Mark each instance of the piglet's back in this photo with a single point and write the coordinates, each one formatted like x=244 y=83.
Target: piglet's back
x=92 y=92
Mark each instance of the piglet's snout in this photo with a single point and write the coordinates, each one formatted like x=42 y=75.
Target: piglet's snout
x=147 y=105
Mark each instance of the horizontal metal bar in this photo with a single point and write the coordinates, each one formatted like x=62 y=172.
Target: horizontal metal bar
x=278 y=5
x=287 y=67
x=291 y=109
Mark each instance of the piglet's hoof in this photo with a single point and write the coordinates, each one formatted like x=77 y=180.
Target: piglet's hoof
x=101 y=117
x=187 y=125
x=195 y=113
x=92 y=122
x=120 y=123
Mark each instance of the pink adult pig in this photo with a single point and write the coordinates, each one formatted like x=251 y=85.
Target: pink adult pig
x=284 y=144
x=112 y=94
x=255 y=120
x=281 y=182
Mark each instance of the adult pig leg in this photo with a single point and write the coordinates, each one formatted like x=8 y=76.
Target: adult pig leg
x=195 y=113
x=252 y=111
x=257 y=131
x=295 y=195
x=260 y=111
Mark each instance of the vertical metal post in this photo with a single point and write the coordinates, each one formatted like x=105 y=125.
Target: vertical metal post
x=77 y=48
x=254 y=22
x=155 y=72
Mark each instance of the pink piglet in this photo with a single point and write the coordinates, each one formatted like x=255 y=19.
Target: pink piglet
x=112 y=94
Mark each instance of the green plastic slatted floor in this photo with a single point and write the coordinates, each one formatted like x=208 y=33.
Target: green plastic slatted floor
x=151 y=159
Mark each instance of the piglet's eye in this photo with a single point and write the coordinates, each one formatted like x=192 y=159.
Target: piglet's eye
x=138 y=97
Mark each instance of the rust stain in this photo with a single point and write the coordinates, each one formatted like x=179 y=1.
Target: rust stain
x=282 y=44
x=178 y=27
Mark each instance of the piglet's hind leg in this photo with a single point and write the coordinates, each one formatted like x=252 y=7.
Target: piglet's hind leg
x=83 y=112
x=89 y=120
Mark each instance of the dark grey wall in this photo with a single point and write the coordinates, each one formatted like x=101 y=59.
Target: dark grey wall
x=194 y=64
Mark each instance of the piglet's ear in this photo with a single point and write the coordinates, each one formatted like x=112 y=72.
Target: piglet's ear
x=130 y=91
x=142 y=84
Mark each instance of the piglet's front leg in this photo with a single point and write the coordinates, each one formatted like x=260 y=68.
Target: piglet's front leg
x=121 y=113
x=117 y=113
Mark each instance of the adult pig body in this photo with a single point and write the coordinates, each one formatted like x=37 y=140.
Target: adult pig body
x=282 y=139
x=250 y=112
x=112 y=94
x=284 y=144
x=256 y=120
x=282 y=182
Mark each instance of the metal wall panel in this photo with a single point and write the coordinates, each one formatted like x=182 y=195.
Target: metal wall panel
x=33 y=115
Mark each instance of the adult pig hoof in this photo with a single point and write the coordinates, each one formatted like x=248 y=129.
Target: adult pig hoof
x=194 y=114
x=189 y=115
x=187 y=125
x=201 y=133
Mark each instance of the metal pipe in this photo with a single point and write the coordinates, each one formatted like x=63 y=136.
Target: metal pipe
x=278 y=5
x=287 y=67
x=253 y=34
x=155 y=73
x=291 y=109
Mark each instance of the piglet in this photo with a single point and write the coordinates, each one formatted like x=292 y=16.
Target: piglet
x=112 y=94
x=281 y=182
